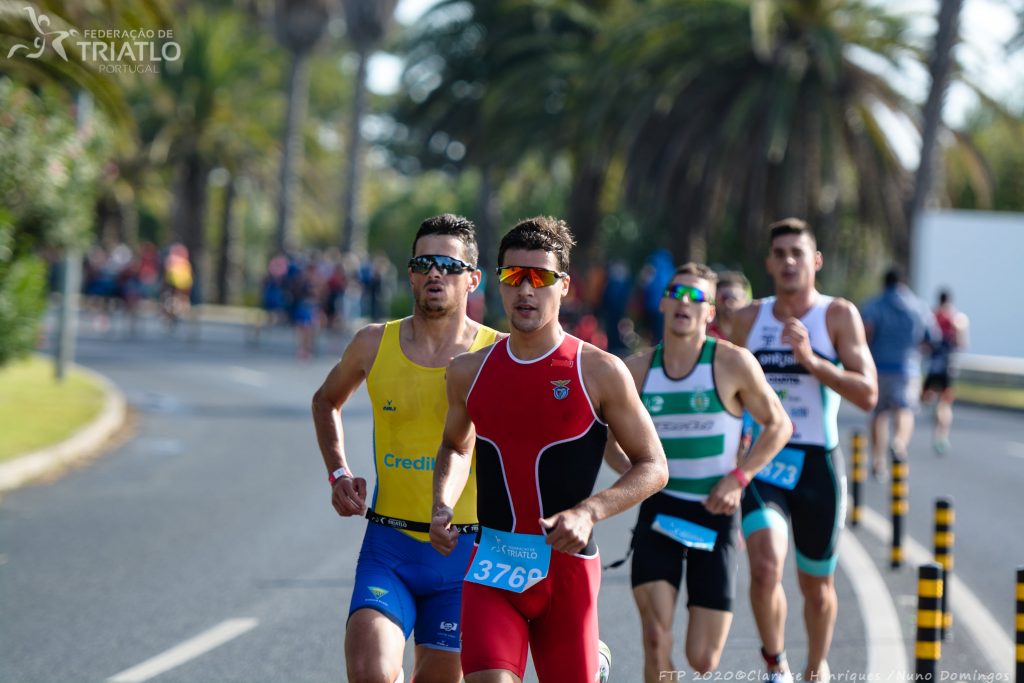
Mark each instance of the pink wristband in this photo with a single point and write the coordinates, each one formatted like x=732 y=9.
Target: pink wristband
x=738 y=474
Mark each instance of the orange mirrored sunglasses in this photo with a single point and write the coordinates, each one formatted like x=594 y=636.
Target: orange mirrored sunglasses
x=513 y=276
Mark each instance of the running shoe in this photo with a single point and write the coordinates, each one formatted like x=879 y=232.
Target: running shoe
x=604 y=657
x=777 y=677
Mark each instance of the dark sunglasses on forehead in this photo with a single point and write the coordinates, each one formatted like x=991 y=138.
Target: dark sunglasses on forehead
x=446 y=265
x=513 y=276
x=697 y=296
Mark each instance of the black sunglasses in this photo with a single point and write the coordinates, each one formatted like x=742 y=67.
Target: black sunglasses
x=446 y=265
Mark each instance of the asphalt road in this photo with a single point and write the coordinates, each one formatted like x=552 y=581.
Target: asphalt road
x=209 y=524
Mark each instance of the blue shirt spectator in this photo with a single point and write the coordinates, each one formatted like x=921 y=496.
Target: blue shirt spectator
x=897 y=323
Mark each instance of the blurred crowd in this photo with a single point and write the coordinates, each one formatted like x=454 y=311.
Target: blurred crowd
x=327 y=291
x=309 y=291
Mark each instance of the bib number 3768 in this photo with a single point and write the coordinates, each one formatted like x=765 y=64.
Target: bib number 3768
x=509 y=561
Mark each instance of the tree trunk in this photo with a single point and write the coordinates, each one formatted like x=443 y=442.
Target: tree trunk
x=585 y=209
x=487 y=241
x=190 y=215
x=227 y=256
x=942 y=59
x=353 y=232
x=298 y=89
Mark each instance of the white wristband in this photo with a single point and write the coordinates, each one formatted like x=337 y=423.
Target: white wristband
x=338 y=474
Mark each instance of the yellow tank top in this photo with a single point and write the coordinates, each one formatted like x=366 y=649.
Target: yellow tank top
x=409 y=407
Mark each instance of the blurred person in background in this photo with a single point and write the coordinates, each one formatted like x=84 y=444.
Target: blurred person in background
x=733 y=294
x=178 y=284
x=897 y=324
x=938 y=384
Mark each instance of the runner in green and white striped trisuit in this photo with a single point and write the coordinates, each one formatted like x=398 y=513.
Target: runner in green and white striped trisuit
x=700 y=437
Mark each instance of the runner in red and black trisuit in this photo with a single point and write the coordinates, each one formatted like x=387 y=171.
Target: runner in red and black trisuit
x=537 y=407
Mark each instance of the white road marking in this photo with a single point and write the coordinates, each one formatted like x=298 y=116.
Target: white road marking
x=886 y=651
x=255 y=378
x=970 y=613
x=183 y=652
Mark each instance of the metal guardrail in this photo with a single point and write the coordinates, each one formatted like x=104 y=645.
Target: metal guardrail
x=1003 y=371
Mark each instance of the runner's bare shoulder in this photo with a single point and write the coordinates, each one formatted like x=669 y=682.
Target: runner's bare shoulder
x=464 y=368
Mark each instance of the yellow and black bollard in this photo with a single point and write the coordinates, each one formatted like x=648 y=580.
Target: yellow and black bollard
x=944 y=518
x=928 y=648
x=900 y=505
x=859 y=470
x=1020 y=624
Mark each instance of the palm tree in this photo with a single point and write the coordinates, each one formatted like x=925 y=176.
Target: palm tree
x=299 y=27
x=488 y=85
x=733 y=117
x=941 y=63
x=205 y=112
x=366 y=22
x=53 y=26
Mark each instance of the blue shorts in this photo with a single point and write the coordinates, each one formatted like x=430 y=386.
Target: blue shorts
x=412 y=584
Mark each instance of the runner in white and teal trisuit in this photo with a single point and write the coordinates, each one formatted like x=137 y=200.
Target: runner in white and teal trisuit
x=695 y=388
x=813 y=352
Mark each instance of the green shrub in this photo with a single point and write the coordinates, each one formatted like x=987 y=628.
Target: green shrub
x=49 y=181
x=22 y=301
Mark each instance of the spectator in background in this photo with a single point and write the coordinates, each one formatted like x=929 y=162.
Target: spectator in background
x=614 y=302
x=383 y=281
x=306 y=309
x=177 y=283
x=273 y=297
x=938 y=384
x=897 y=324
x=733 y=294
x=654 y=277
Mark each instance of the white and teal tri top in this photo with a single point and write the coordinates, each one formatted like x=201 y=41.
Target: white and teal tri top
x=812 y=406
x=700 y=437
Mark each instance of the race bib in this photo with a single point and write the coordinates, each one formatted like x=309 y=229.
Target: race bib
x=509 y=561
x=689 y=534
x=784 y=469
x=801 y=397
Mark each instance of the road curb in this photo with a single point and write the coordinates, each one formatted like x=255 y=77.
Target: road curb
x=84 y=442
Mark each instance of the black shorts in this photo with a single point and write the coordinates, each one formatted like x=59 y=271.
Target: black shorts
x=816 y=507
x=937 y=381
x=711 y=574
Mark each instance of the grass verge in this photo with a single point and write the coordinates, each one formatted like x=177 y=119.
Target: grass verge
x=37 y=411
x=1002 y=397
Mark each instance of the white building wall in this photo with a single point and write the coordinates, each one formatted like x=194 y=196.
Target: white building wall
x=979 y=257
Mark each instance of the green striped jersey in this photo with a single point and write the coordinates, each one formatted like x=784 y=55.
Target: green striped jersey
x=700 y=437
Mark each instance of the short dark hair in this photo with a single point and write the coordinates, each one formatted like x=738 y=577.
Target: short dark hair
x=540 y=232
x=697 y=270
x=790 y=226
x=893 y=277
x=458 y=227
x=945 y=296
x=733 y=278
